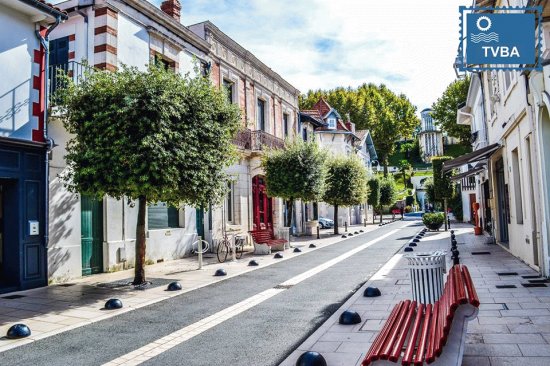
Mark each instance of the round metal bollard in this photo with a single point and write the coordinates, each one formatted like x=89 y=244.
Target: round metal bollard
x=220 y=272
x=312 y=246
x=18 y=331
x=408 y=249
x=413 y=244
x=297 y=250
x=311 y=359
x=426 y=272
x=415 y=240
x=278 y=256
x=174 y=286
x=372 y=292
x=344 y=236
x=113 y=304
x=253 y=263
x=349 y=317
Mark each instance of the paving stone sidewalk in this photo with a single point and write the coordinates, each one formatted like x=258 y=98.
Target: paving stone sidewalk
x=512 y=328
x=61 y=307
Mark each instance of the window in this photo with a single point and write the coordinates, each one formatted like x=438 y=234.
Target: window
x=285 y=124
x=261 y=114
x=332 y=123
x=229 y=202
x=229 y=89
x=517 y=186
x=304 y=134
x=164 y=62
x=162 y=216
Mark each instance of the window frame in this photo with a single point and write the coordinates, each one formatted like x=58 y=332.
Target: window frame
x=261 y=117
x=230 y=203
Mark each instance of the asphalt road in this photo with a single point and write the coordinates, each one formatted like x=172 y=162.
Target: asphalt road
x=262 y=335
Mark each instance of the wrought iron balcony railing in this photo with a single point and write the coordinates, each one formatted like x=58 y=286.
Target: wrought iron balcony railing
x=75 y=71
x=257 y=140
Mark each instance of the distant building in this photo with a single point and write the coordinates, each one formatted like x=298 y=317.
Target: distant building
x=430 y=137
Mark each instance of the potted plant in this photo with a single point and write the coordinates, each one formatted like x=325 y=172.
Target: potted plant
x=433 y=221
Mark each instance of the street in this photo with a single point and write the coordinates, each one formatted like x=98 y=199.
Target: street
x=262 y=335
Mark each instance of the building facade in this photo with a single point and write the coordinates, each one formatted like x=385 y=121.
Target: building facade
x=24 y=142
x=90 y=236
x=430 y=137
x=269 y=108
x=339 y=137
x=507 y=114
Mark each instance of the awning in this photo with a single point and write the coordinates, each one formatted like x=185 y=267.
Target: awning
x=472 y=171
x=472 y=157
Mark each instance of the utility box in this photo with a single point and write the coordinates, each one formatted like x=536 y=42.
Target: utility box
x=34 y=227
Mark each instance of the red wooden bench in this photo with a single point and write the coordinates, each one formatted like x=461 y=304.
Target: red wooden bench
x=419 y=333
x=266 y=237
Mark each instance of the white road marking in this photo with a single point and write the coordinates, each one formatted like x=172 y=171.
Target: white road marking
x=163 y=344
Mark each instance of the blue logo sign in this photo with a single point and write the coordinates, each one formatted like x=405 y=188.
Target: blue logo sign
x=495 y=39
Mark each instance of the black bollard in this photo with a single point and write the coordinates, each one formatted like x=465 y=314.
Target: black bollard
x=346 y=225
x=311 y=359
x=318 y=235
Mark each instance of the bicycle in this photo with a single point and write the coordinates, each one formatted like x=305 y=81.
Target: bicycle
x=224 y=247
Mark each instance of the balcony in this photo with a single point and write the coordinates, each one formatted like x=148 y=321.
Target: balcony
x=74 y=70
x=257 y=140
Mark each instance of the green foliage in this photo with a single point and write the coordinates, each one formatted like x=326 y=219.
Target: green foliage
x=436 y=218
x=387 y=115
x=445 y=109
x=443 y=187
x=373 y=197
x=345 y=181
x=408 y=209
x=151 y=134
x=455 y=204
x=388 y=191
x=295 y=172
x=430 y=190
x=456 y=150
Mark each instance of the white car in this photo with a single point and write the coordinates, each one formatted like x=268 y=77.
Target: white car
x=325 y=223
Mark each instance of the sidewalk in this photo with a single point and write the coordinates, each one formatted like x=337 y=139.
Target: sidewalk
x=512 y=328
x=57 y=308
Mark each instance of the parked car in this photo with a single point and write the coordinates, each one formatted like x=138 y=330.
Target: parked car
x=325 y=223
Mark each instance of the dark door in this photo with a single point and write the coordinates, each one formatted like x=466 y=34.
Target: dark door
x=9 y=240
x=58 y=59
x=261 y=203
x=502 y=201
x=92 y=235
x=200 y=222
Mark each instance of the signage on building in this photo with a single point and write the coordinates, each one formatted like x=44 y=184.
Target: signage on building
x=499 y=38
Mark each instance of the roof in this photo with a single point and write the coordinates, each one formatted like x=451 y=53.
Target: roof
x=472 y=157
x=426 y=110
x=40 y=5
x=365 y=137
x=312 y=118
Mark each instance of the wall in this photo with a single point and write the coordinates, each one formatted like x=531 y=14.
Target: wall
x=16 y=56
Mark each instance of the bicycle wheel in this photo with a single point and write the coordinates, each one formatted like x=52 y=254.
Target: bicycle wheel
x=239 y=251
x=221 y=252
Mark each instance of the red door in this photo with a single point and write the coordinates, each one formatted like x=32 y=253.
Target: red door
x=261 y=205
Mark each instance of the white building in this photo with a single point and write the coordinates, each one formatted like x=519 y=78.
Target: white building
x=507 y=111
x=24 y=141
x=339 y=137
x=430 y=137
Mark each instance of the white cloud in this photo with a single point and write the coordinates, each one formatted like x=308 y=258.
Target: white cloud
x=408 y=45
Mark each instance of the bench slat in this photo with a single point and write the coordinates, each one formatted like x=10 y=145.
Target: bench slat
x=423 y=342
x=394 y=332
x=405 y=328
x=472 y=294
x=416 y=330
x=459 y=284
x=432 y=336
x=374 y=350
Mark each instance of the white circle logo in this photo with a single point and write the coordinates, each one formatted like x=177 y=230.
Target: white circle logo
x=485 y=27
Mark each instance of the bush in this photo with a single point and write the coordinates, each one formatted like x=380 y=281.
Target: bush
x=436 y=218
x=409 y=200
x=388 y=191
x=408 y=209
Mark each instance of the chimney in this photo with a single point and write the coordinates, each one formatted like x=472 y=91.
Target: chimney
x=172 y=8
x=350 y=125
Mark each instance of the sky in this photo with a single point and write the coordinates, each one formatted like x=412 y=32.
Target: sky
x=408 y=45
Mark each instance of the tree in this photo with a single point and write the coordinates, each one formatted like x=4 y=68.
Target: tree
x=373 y=197
x=296 y=172
x=388 y=192
x=345 y=184
x=404 y=167
x=446 y=106
x=387 y=115
x=148 y=136
x=429 y=188
x=443 y=186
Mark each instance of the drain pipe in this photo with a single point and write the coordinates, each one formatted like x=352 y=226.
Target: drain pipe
x=49 y=142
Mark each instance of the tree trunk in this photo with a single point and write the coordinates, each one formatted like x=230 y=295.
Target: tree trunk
x=445 y=212
x=381 y=213
x=385 y=162
x=139 y=274
x=373 y=214
x=335 y=219
x=289 y=207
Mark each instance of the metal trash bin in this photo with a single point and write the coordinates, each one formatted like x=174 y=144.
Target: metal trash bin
x=426 y=271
